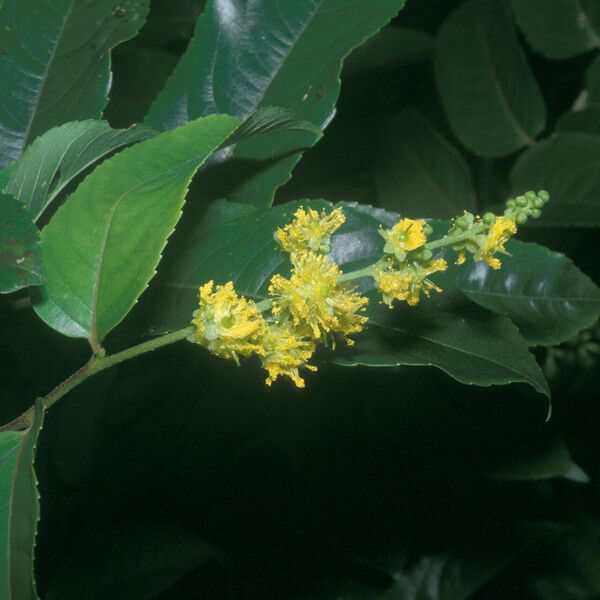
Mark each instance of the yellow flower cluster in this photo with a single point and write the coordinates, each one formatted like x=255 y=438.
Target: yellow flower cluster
x=309 y=307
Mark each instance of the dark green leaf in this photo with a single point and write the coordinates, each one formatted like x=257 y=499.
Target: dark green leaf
x=393 y=46
x=450 y=333
x=543 y=292
x=491 y=99
x=130 y=562
x=20 y=252
x=568 y=166
x=249 y=54
x=55 y=63
x=62 y=154
x=581 y=121
x=103 y=245
x=236 y=243
x=592 y=81
x=418 y=173
x=559 y=28
x=19 y=509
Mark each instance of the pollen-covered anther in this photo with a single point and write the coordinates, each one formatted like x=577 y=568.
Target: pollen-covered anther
x=226 y=324
x=493 y=242
x=314 y=301
x=310 y=231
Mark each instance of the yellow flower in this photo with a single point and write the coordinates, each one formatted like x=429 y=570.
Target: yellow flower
x=310 y=231
x=498 y=234
x=407 y=283
x=314 y=301
x=461 y=259
x=228 y=325
x=284 y=353
x=404 y=236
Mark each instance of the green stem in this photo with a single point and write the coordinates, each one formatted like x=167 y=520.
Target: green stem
x=96 y=364
x=450 y=240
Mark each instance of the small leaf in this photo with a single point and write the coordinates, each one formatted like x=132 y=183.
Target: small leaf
x=418 y=173
x=250 y=55
x=560 y=28
x=20 y=252
x=19 y=512
x=55 y=63
x=543 y=292
x=488 y=92
x=129 y=562
x=568 y=166
x=59 y=156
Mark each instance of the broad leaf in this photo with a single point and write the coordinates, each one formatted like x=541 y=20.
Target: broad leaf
x=488 y=92
x=19 y=509
x=543 y=292
x=583 y=121
x=103 y=245
x=236 y=243
x=559 y=28
x=246 y=54
x=20 y=252
x=129 y=562
x=55 y=64
x=568 y=166
x=62 y=154
x=448 y=332
x=418 y=173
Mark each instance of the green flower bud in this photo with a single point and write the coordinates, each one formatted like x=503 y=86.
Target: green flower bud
x=489 y=218
x=325 y=248
x=538 y=202
x=544 y=195
x=536 y=213
x=531 y=196
x=521 y=201
x=426 y=254
x=521 y=218
x=427 y=229
x=510 y=203
x=462 y=222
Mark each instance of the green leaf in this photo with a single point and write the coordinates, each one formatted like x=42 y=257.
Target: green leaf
x=568 y=166
x=20 y=252
x=129 y=562
x=249 y=55
x=542 y=292
x=418 y=173
x=488 y=92
x=543 y=458
x=19 y=509
x=583 y=121
x=592 y=81
x=55 y=63
x=59 y=156
x=467 y=342
x=236 y=243
x=392 y=47
x=559 y=28
x=102 y=246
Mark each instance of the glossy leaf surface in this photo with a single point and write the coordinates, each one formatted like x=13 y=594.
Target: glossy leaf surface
x=247 y=54
x=20 y=252
x=62 y=154
x=543 y=292
x=19 y=510
x=559 y=28
x=488 y=92
x=102 y=246
x=55 y=63
x=568 y=166
x=418 y=173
